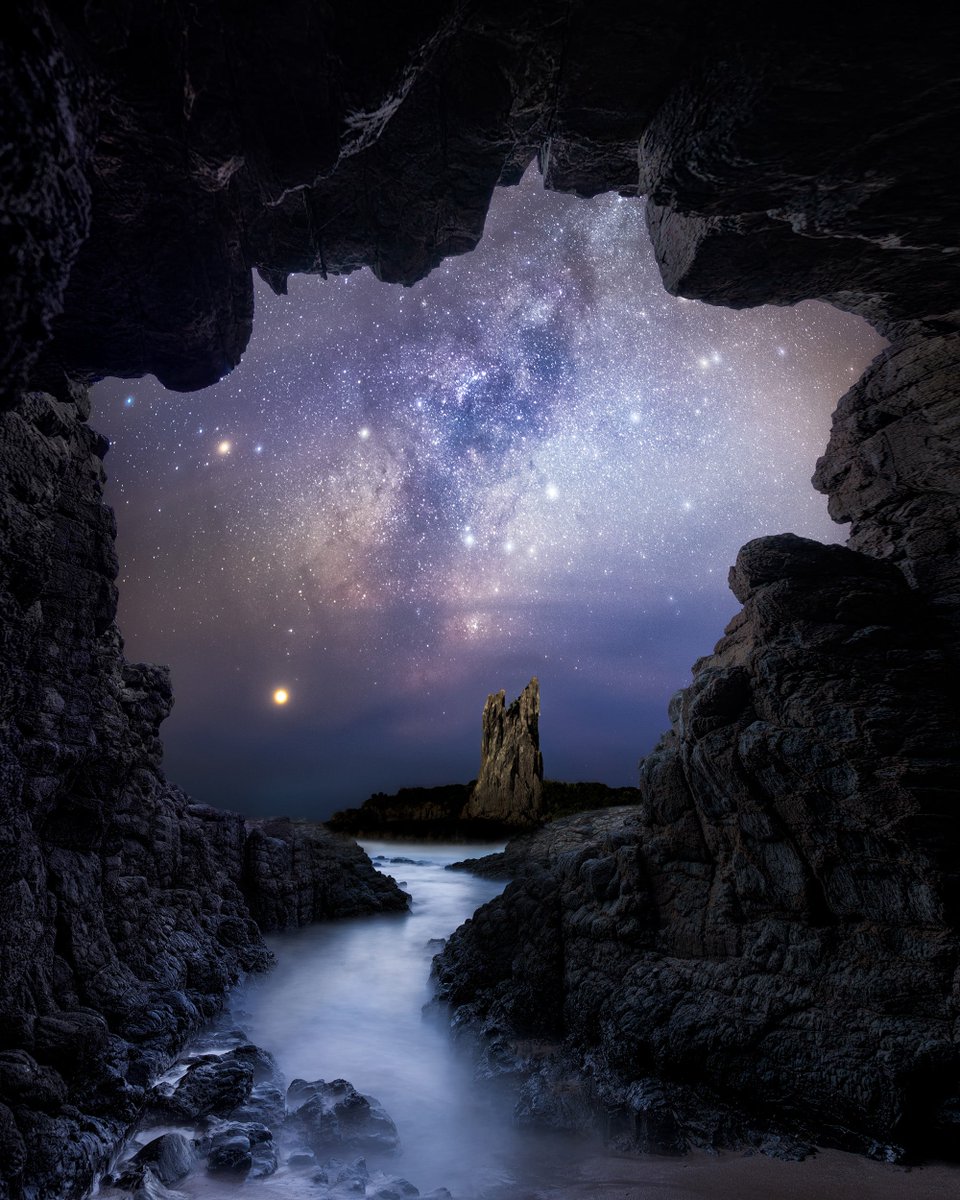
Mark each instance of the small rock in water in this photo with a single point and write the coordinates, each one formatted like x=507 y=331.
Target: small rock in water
x=385 y=1187
x=265 y=1106
x=210 y=1086
x=243 y=1149
x=231 y=1153
x=340 y=1181
x=329 y=1115
x=170 y=1157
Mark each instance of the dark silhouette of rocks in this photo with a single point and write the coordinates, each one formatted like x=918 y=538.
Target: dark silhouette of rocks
x=437 y=813
x=433 y=812
x=297 y=872
x=779 y=917
x=780 y=908
x=509 y=787
x=127 y=909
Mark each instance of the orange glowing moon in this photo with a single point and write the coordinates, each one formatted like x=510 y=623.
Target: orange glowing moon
x=281 y=696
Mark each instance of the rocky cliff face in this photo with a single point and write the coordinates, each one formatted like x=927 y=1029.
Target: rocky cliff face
x=125 y=909
x=297 y=872
x=777 y=922
x=780 y=919
x=892 y=468
x=509 y=787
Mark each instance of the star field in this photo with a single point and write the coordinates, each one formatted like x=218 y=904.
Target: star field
x=535 y=461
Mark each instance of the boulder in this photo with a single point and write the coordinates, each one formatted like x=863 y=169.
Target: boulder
x=211 y=1087
x=335 y=1115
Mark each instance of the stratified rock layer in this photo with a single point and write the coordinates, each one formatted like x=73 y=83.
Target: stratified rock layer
x=777 y=921
x=509 y=787
x=125 y=909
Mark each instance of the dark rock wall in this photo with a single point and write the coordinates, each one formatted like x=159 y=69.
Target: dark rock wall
x=778 y=920
x=125 y=909
x=158 y=153
x=297 y=872
x=892 y=468
x=47 y=129
x=801 y=159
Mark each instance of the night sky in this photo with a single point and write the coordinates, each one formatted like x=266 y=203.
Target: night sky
x=533 y=462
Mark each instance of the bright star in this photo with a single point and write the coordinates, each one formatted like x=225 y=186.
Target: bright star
x=281 y=696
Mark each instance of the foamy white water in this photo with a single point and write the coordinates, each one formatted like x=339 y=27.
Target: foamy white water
x=347 y=1000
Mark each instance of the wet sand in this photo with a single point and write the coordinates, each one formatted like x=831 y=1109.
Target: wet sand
x=830 y=1175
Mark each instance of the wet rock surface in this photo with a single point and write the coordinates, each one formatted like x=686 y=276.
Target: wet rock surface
x=311 y=1130
x=336 y=1116
x=775 y=924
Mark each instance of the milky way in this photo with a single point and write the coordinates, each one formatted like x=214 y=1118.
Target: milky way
x=533 y=462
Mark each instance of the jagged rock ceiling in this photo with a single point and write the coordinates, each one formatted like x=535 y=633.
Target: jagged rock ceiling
x=171 y=150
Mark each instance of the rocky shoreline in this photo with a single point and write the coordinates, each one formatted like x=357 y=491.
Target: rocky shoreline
x=224 y=1109
x=769 y=926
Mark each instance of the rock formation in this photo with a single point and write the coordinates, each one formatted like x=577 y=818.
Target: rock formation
x=781 y=910
x=779 y=919
x=509 y=787
x=297 y=872
x=126 y=909
x=509 y=793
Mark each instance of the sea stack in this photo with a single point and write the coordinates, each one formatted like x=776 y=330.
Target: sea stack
x=509 y=787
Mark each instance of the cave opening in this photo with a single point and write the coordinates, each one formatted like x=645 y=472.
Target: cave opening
x=534 y=461
x=765 y=946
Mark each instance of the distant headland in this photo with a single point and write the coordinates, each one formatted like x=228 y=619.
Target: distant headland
x=509 y=793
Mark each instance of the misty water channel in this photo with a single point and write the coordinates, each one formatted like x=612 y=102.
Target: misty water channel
x=352 y=999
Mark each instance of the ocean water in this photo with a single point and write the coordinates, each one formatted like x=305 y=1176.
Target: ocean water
x=352 y=999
